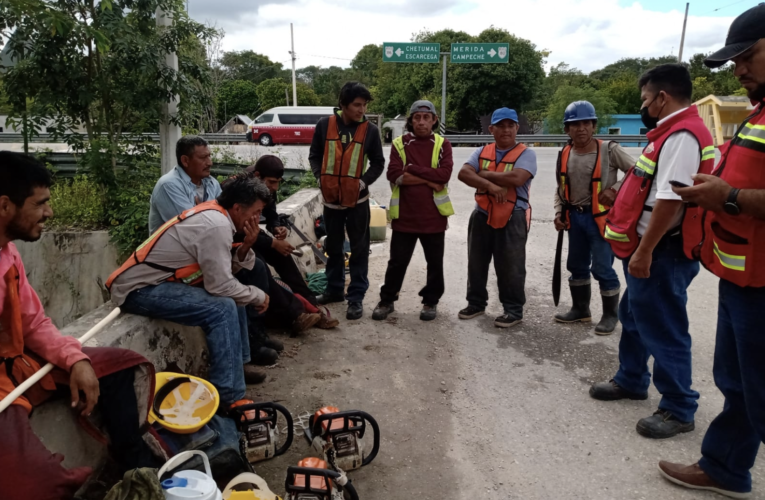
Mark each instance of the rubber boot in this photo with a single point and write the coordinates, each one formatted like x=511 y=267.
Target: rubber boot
x=580 y=307
x=610 y=317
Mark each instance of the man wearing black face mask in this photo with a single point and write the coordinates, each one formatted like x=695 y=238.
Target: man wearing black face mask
x=647 y=228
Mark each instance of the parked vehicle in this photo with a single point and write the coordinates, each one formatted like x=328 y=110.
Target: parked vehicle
x=287 y=125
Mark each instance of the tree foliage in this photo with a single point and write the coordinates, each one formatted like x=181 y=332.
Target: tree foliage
x=251 y=66
x=237 y=97
x=274 y=92
x=566 y=94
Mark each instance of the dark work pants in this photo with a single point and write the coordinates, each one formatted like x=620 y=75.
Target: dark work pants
x=402 y=247
x=288 y=272
x=507 y=246
x=283 y=307
x=356 y=221
x=730 y=445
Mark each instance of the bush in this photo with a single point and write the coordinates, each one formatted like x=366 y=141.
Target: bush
x=78 y=203
x=289 y=187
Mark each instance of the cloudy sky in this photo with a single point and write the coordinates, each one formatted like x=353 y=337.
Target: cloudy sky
x=587 y=34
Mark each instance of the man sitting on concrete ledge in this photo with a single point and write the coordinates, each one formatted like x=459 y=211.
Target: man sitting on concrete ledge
x=106 y=377
x=195 y=248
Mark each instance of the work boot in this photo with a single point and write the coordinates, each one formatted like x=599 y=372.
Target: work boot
x=263 y=356
x=428 y=313
x=611 y=391
x=327 y=322
x=304 y=322
x=253 y=376
x=382 y=311
x=325 y=299
x=355 y=310
x=470 y=312
x=662 y=424
x=580 y=307
x=694 y=477
x=610 y=317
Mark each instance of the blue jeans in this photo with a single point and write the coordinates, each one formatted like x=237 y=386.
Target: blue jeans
x=589 y=252
x=224 y=324
x=356 y=221
x=655 y=323
x=731 y=443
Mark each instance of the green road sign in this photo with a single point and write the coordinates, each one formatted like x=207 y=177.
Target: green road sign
x=480 y=53
x=411 y=52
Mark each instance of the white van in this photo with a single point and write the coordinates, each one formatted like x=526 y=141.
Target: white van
x=287 y=125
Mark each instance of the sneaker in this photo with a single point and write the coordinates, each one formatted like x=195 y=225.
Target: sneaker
x=506 y=321
x=325 y=299
x=428 y=313
x=662 y=424
x=253 y=376
x=382 y=311
x=693 y=477
x=611 y=391
x=355 y=310
x=304 y=322
x=327 y=322
x=470 y=312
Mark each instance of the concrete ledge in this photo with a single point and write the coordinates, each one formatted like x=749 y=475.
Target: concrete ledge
x=303 y=208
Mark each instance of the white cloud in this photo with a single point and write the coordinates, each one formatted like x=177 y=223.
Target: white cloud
x=587 y=34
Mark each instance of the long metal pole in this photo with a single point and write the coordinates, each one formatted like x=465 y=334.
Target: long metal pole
x=443 y=98
x=294 y=84
x=682 y=38
x=169 y=132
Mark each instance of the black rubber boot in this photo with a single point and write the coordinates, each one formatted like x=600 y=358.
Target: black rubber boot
x=580 y=307
x=610 y=317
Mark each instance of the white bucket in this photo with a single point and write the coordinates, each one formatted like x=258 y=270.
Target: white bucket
x=189 y=484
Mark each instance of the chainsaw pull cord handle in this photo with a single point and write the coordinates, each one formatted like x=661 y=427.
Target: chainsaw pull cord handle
x=375 y=442
x=290 y=429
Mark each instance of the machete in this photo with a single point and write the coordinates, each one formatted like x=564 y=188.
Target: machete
x=556 y=265
x=305 y=239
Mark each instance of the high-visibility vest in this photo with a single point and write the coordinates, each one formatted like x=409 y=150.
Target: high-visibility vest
x=342 y=168
x=601 y=165
x=17 y=366
x=499 y=213
x=189 y=275
x=733 y=247
x=441 y=198
x=630 y=204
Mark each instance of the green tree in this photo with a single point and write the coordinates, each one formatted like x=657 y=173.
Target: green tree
x=623 y=90
x=634 y=66
x=271 y=93
x=565 y=95
x=237 y=97
x=249 y=65
x=366 y=63
x=702 y=87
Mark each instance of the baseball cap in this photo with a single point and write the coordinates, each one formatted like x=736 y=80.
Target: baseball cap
x=504 y=114
x=422 y=105
x=746 y=30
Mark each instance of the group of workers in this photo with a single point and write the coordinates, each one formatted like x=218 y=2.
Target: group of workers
x=207 y=262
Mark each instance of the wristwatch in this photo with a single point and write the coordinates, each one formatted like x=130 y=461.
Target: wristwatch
x=731 y=206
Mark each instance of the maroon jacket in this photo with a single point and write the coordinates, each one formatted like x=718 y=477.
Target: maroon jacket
x=418 y=211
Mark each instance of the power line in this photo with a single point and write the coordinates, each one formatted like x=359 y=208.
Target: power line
x=725 y=7
x=329 y=57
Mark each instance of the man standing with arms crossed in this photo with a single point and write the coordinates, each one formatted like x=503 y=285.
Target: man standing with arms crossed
x=342 y=146
x=501 y=172
x=733 y=248
x=646 y=229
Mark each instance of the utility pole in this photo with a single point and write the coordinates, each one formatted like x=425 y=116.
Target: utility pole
x=443 y=96
x=169 y=132
x=287 y=95
x=292 y=53
x=682 y=38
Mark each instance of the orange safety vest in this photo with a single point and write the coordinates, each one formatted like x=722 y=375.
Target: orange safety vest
x=342 y=168
x=733 y=246
x=499 y=213
x=189 y=275
x=598 y=211
x=17 y=366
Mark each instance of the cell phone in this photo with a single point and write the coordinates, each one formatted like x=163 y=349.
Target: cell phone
x=679 y=184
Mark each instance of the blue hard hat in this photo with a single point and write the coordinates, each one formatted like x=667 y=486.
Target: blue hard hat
x=578 y=111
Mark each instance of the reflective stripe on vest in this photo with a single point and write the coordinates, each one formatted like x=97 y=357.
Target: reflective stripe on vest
x=753 y=137
x=598 y=211
x=646 y=165
x=189 y=275
x=499 y=213
x=441 y=198
x=708 y=153
x=610 y=234
x=735 y=262
x=342 y=168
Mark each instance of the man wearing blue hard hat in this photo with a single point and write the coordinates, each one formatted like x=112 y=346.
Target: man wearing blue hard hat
x=501 y=172
x=587 y=173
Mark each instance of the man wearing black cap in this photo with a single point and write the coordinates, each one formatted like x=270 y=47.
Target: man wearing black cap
x=733 y=248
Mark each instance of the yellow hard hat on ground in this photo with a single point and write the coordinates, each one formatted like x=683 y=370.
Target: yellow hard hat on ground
x=183 y=403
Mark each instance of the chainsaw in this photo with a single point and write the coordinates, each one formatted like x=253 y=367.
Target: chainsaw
x=339 y=437
x=257 y=423
x=312 y=480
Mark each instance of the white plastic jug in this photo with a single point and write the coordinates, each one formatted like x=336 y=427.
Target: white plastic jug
x=189 y=484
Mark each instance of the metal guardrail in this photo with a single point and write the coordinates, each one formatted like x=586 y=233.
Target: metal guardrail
x=13 y=137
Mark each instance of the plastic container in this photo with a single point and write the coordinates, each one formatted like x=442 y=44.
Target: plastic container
x=263 y=492
x=188 y=484
x=183 y=415
x=378 y=222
